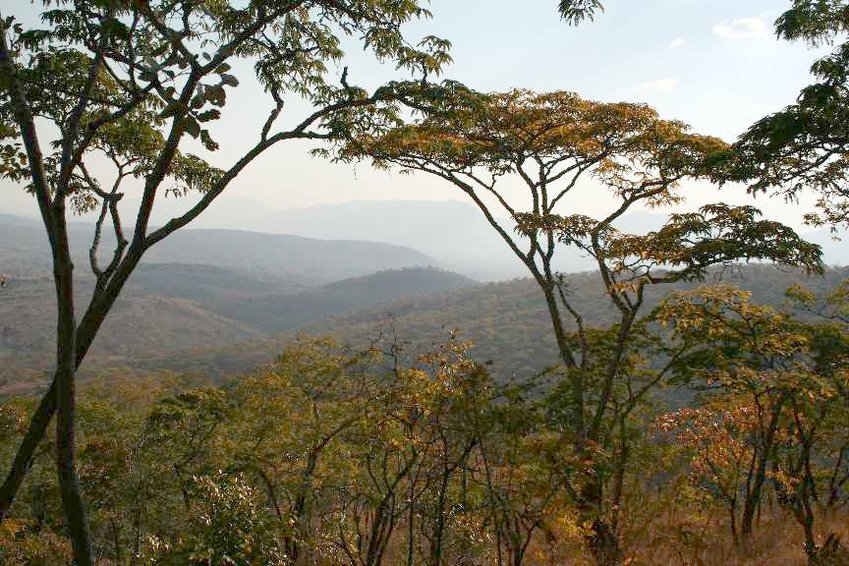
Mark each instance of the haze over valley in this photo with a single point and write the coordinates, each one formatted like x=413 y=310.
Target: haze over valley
x=424 y=282
x=223 y=301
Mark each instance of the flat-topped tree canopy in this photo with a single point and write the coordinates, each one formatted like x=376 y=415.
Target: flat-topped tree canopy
x=548 y=142
x=685 y=246
x=558 y=131
x=545 y=144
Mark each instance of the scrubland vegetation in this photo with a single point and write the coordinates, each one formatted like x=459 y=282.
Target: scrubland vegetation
x=647 y=418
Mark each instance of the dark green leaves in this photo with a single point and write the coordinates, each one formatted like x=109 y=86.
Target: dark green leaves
x=803 y=147
x=576 y=11
x=815 y=21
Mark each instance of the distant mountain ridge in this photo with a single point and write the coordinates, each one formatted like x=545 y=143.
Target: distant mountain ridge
x=457 y=235
x=281 y=312
x=190 y=318
x=298 y=261
x=454 y=233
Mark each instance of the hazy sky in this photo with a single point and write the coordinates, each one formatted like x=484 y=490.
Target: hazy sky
x=714 y=64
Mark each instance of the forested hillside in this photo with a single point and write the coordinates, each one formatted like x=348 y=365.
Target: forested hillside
x=171 y=309
x=217 y=322
x=335 y=416
x=505 y=322
x=667 y=382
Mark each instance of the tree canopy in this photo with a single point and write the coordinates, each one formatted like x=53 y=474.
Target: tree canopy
x=576 y=11
x=804 y=145
x=368 y=455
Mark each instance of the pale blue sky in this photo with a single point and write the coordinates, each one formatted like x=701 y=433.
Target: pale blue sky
x=714 y=64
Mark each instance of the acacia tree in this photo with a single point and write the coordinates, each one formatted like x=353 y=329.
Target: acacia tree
x=128 y=84
x=547 y=143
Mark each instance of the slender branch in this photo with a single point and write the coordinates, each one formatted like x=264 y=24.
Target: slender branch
x=67 y=163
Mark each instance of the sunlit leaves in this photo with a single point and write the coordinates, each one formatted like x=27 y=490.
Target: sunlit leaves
x=148 y=53
x=774 y=388
x=724 y=314
x=717 y=234
x=548 y=143
x=500 y=131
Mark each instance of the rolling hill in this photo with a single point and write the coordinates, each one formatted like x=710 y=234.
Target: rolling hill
x=281 y=312
x=168 y=309
x=293 y=262
x=453 y=232
x=223 y=302
x=507 y=321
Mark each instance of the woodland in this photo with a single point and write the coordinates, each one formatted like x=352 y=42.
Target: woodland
x=684 y=401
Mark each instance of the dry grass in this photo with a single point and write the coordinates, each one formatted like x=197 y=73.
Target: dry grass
x=777 y=541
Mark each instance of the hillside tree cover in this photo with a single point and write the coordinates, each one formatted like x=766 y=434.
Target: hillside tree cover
x=776 y=412
x=99 y=97
x=372 y=456
x=550 y=143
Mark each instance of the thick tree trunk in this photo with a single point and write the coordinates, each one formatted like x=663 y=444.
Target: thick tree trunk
x=603 y=542
x=69 y=485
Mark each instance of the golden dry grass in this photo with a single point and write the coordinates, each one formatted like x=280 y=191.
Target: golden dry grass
x=777 y=541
